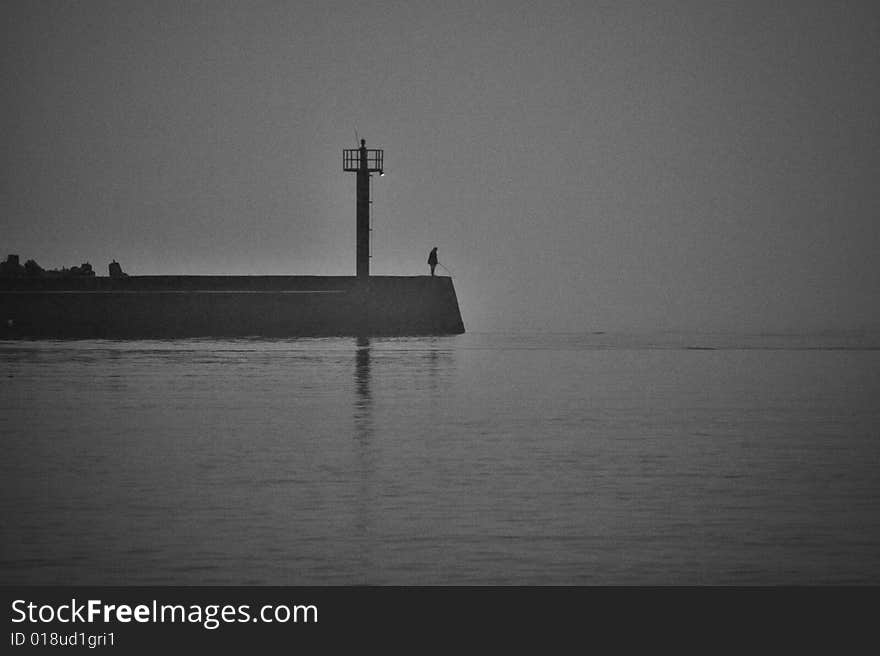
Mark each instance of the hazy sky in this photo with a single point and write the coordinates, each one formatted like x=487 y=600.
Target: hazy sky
x=580 y=165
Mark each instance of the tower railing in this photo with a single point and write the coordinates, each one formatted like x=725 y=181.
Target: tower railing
x=375 y=160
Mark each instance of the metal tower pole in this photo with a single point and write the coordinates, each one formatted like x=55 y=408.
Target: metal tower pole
x=363 y=214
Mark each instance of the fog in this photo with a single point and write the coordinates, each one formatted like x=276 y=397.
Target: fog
x=580 y=166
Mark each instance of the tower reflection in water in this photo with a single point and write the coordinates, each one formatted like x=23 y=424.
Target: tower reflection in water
x=363 y=419
x=398 y=389
x=364 y=458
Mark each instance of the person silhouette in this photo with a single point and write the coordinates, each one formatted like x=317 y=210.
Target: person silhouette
x=432 y=259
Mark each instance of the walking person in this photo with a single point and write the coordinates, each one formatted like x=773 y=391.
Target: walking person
x=432 y=259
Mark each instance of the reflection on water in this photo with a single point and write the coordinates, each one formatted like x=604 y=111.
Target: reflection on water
x=469 y=459
x=364 y=499
x=362 y=403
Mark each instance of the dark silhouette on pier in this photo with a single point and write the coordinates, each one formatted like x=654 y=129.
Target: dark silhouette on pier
x=115 y=270
x=12 y=268
x=432 y=259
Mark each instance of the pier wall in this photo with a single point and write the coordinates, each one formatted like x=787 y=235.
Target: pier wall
x=150 y=307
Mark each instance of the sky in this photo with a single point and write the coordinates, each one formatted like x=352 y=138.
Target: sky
x=581 y=166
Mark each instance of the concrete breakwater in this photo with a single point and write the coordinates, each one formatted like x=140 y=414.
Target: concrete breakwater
x=145 y=307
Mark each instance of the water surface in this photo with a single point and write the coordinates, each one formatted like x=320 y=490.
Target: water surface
x=480 y=458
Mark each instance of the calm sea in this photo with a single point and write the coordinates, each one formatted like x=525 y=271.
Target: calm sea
x=477 y=459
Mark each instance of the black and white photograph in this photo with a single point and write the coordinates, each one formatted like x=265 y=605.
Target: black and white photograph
x=440 y=294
